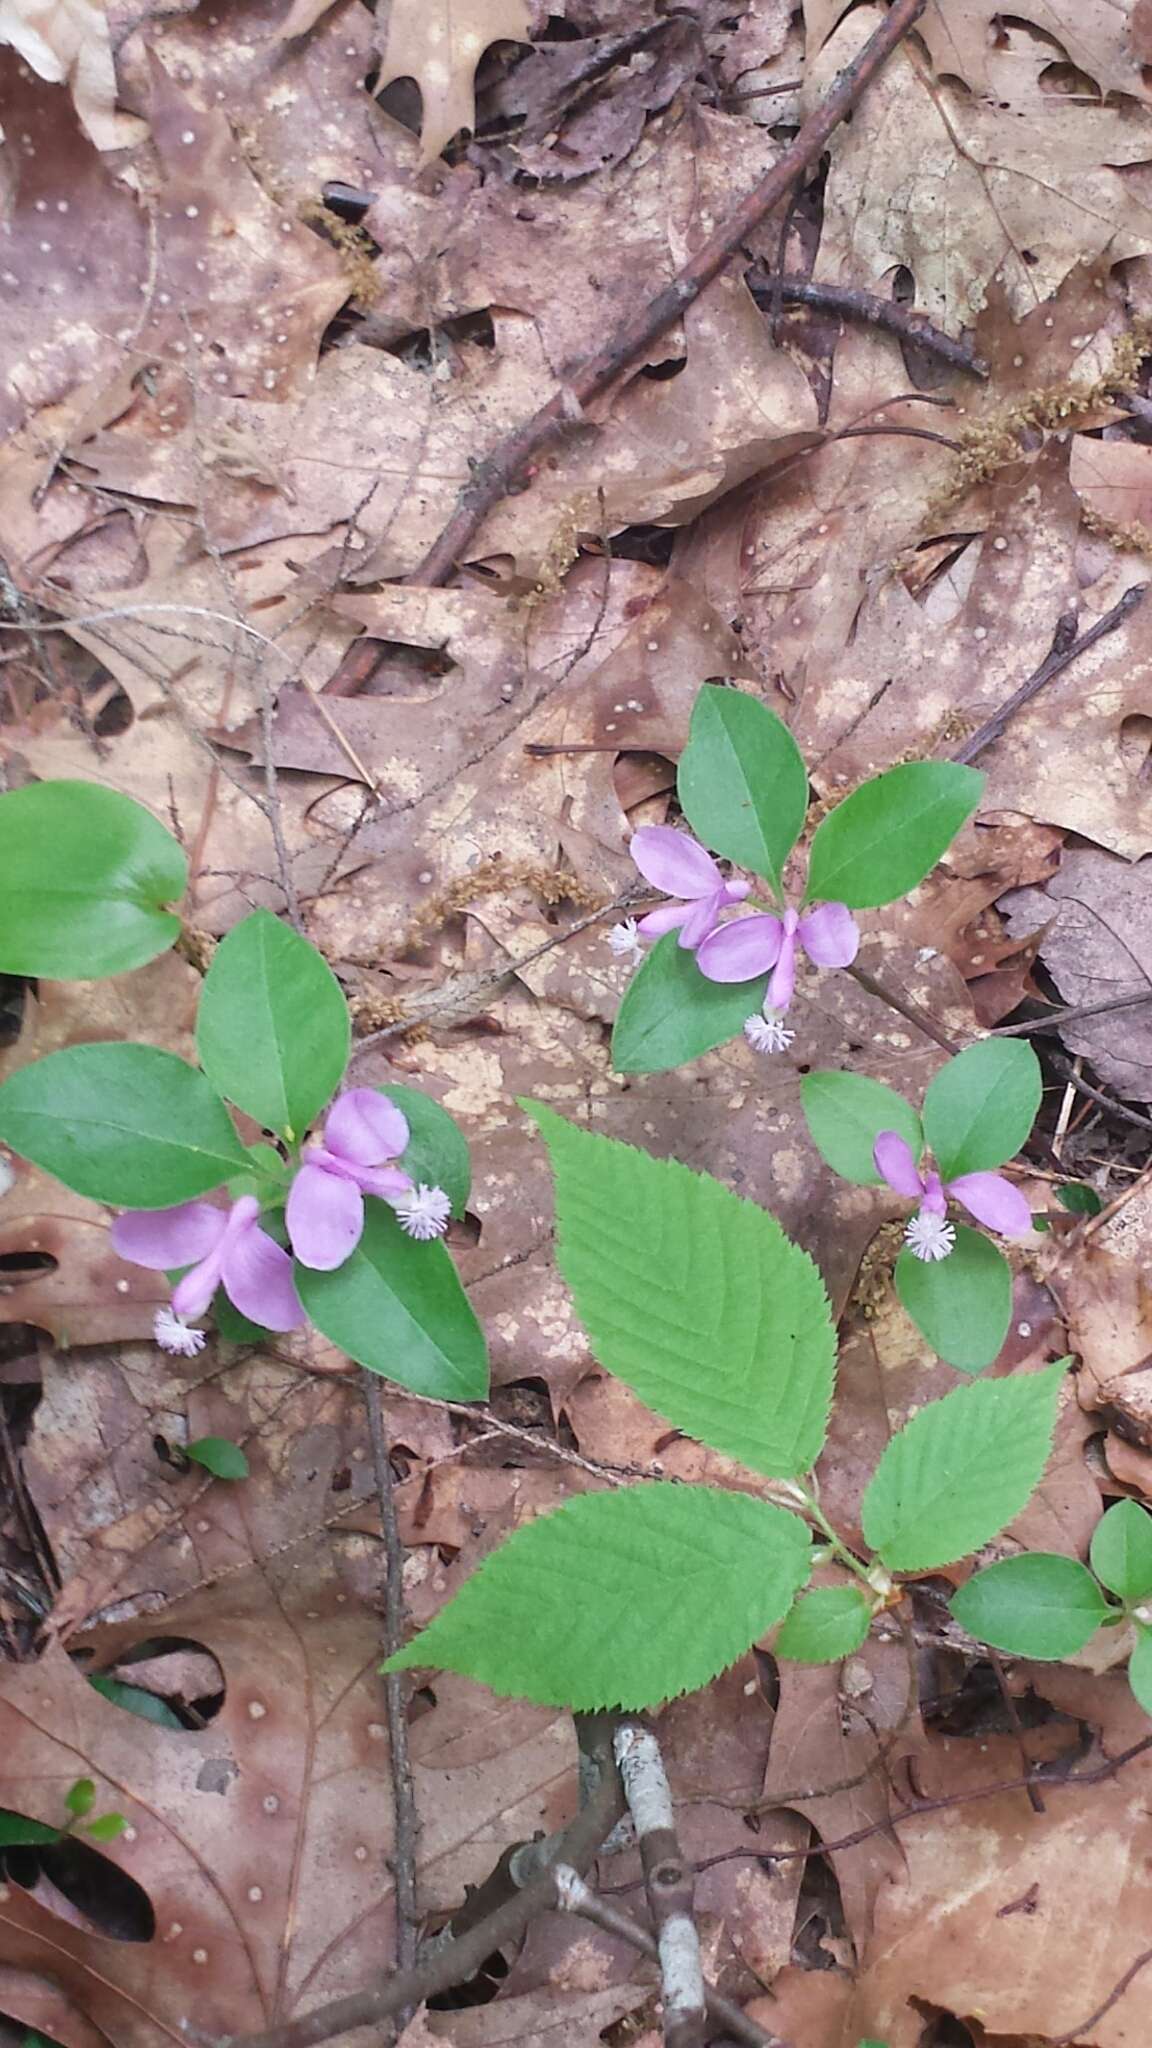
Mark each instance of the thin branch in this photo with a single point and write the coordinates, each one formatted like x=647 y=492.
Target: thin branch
x=668 y=1882
x=1067 y=1072
x=1093 y=2020
x=407 y=1819
x=845 y=302
x=1065 y=649
x=903 y=1006
x=1054 y=1020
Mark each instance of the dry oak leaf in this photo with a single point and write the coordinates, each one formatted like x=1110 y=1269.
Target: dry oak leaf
x=1095 y=34
x=1094 y=919
x=1114 y=480
x=961 y=191
x=67 y=41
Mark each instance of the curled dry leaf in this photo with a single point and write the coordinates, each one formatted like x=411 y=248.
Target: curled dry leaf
x=1094 y=920
x=67 y=42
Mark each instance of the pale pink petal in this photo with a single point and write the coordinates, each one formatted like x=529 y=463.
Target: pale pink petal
x=701 y=919
x=673 y=862
x=735 y=892
x=993 y=1201
x=386 y=1181
x=783 y=982
x=166 y=1238
x=934 y=1203
x=743 y=949
x=894 y=1161
x=667 y=917
x=325 y=1217
x=830 y=935
x=363 y=1126
x=258 y=1280
x=192 y=1296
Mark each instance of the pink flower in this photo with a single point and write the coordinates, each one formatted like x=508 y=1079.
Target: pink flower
x=363 y=1134
x=679 y=865
x=989 y=1197
x=224 y=1248
x=751 y=945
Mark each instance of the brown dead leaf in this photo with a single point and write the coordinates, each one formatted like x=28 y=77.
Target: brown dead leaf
x=439 y=45
x=547 y=2019
x=1095 y=920
x=1098 y=36
x=67 y=42
x=1114 y=480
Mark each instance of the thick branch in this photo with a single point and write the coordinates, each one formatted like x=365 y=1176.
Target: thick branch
x=847 y=302
x=668 y=1882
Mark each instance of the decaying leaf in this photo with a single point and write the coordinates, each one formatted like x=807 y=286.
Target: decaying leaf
x=440 y=45
x=67 y=42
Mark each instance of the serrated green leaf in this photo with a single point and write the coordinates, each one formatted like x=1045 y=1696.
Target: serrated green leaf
x=621 y=1599
x=694 y=1298
x=980 y=1108
x=272 y=1031
x=437 y=1151
x=124 y=1124
x=84 y=876
x=17 y=1831
x=1036 y=1605
x=742 y=782
x=961 y=1470
x=218 y=1455
x=827 y=1623
x=80 y=1797
x=884 y=838
x=1121 y=1551
x=397 y=1307
x=846 y=1113
x=107 y=1827
x=962 y=1304
x=672 y=1013
x=136 y=1699
x=1140 y=1667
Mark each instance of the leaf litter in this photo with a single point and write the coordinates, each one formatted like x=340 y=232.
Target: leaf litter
x=277 y=281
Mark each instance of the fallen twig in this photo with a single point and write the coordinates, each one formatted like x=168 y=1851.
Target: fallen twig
x=1066 y=648
x=1089 y=2025
x=668 y=1882
x=406 y=1818
x=848 y=303
x=1053 y=1020
x=1067 y=1072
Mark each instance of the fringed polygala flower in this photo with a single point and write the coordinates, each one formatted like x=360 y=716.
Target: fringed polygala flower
x=364 y=1134
x=767 y=1032
x=681 y=867
x=625 y=942
x=222 y=1248
x=989 y=1197
x=752 y=945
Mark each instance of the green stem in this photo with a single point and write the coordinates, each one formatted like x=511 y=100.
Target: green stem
x=840 y=1550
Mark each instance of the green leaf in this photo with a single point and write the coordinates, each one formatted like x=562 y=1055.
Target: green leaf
x=846 y=1114
x=826 y=1624
x=18 y=1832
x=961 y=1469
x=672 y=1013
x=1079 y=1199
x=124 y=1124
x=437 y=1152
x=106 y=1827
x=1036 y=1605
x=218 y=1455
x=80 y=1798
x=1121 y=1551
x=1140 y=1667
x=231 y=1325
x=694 y=1298
x=136 y=1699
x=621 y=1599
x=884 y=838
x=742 y=782
x=273 y=1031
x=397 y=1307
x=979 y=1109
x=84 y=872
x=962 y=1304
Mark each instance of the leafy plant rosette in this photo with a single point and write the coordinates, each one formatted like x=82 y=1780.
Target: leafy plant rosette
x=626 y=1598
x=743 y=789
x=343 y=1228
x=978 y=1111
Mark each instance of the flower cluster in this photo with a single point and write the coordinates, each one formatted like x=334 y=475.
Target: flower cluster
x=364 y=1135
x=746 y=947
x=989 y=1197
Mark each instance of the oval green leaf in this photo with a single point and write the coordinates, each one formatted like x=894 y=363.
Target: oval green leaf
x=846 y=1113
x=17 y=1831
x=1140 y=1667
x=672 y=1013
x=742 y=782
x=621 y=1599
x=962 y=1304
x=694 y=1298
x=437 y=1151
x=80 y=1797
x=1036 y=1605
x=980 y=1108
x=397 y=1307
x=961 y=1470
x=824 y=1625
x=273 y=1031
x=218 y=1455
x=85 y=874
x=1121 y=1551
x=124 y=1124
x=884 y=838
x=135 y=1699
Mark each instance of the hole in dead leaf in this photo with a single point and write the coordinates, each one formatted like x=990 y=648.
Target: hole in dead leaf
x=767 y=1676
x=24 y=1265
x=464 y=1231
x=821 y=1940
x=1136 y=746
x=662 y=373
x=422 y=347
x=479 y=1990
x=84 y=1887
x=174 y=1681
x=651 y=544
x=944 y=2031
x=109 y=708
x=401 y=100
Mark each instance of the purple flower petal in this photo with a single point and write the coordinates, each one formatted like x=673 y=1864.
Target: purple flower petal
x=895 y=1163
x=701 y=919
x=192 y=1296
x=386 y=1181
x=783 y=983
x=735 y=892
x=673 y=862
x=743 y=949
x=665 y=918
x=830 y=935
x=258 y=1280
x=365 y=1127
x=325 y=1218
x=933 y=1203
x=163 y=1238
x=993 y=1201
